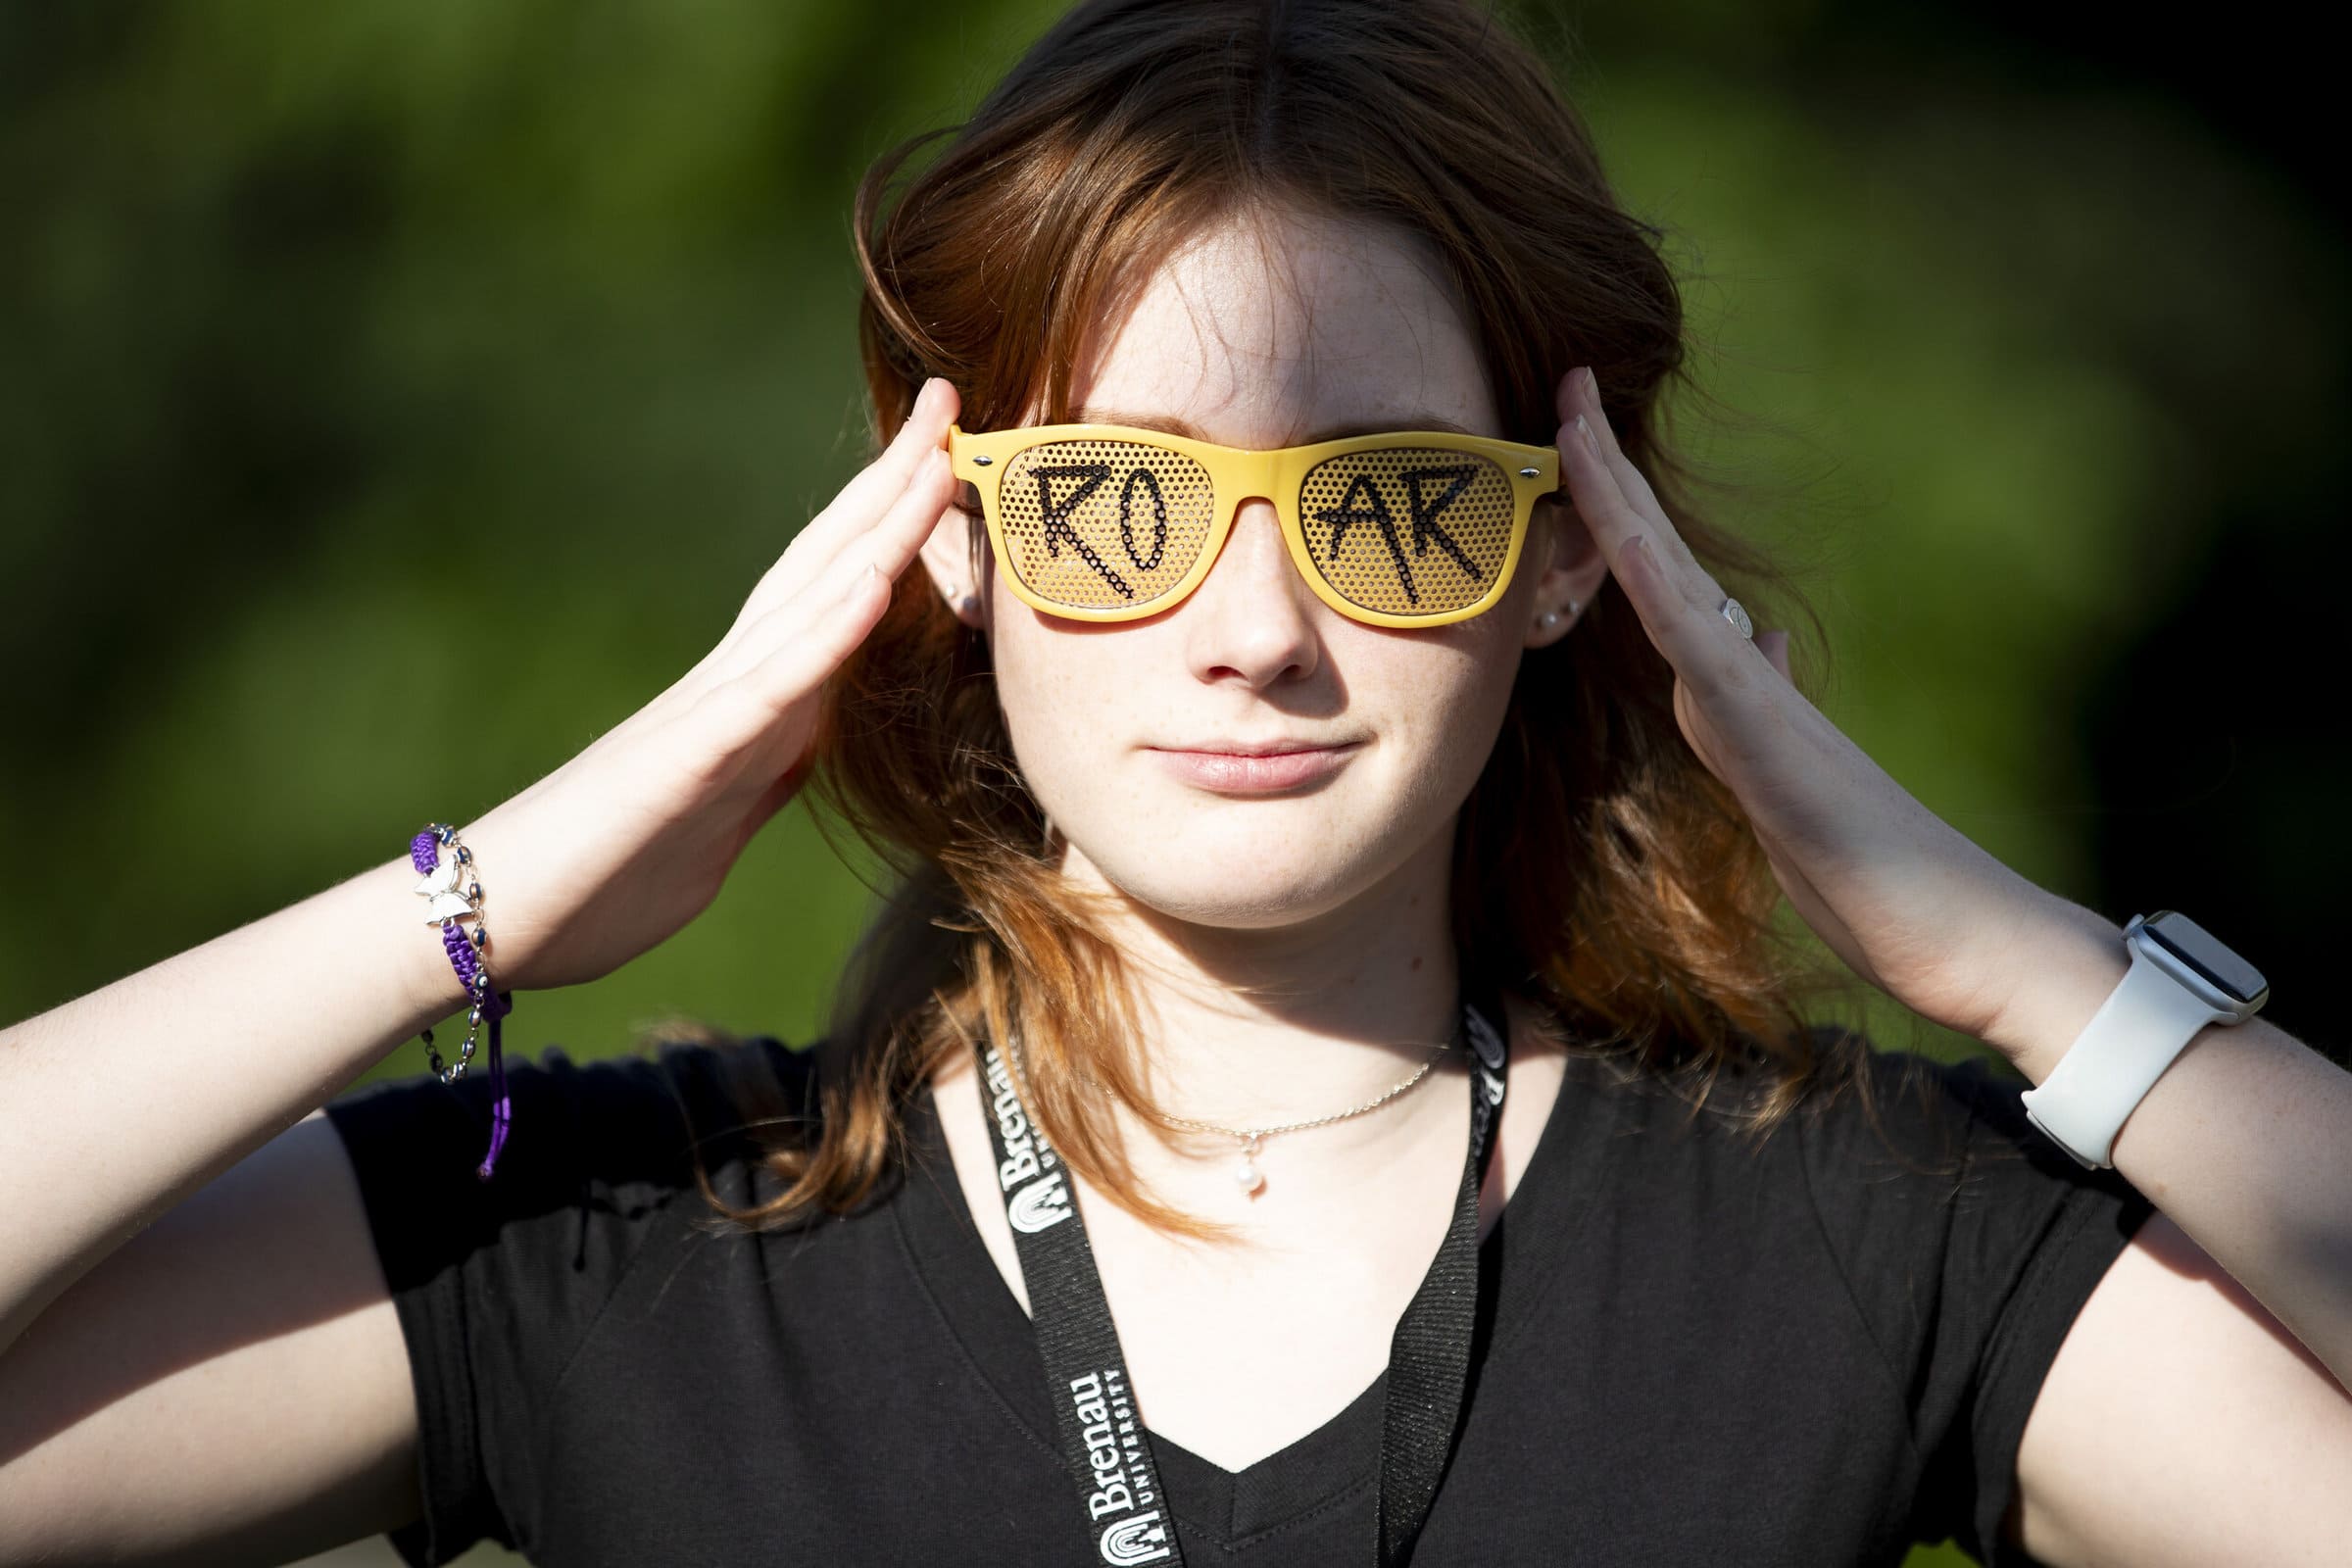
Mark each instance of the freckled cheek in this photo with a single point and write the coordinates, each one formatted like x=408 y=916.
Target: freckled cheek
x=1433 y=697
x=1068 y=699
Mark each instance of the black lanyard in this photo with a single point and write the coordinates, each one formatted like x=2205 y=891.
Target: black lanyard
x=1086 y=1377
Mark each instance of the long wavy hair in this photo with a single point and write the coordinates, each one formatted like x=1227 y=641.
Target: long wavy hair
x=1599 y=869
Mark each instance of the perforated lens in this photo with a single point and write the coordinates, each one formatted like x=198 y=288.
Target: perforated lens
x=1409 y=530
x=1103 y=524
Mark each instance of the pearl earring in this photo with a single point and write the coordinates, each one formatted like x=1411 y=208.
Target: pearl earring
x=1548 y=620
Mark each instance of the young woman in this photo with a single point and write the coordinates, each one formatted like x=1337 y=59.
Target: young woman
x=1328 y=1085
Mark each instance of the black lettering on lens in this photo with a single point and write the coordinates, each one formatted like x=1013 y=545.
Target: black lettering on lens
x=1145 y=478
x=1057 y=515
x=1425 y=512
x=1374 y=511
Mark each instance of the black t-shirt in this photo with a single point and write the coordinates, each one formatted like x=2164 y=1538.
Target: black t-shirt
x=1701 y=1349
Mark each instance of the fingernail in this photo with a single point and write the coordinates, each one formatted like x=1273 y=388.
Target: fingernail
x=1592 y=384
x=1591 y=444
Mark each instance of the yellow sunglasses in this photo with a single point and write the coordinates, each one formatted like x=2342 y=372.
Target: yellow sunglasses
x=1110 y=523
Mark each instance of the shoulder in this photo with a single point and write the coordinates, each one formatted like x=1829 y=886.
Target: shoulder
x=1966 y=1237
x=500 y=1285
x=1958 y=1124
x=602 y=1160
x=1898 y=1143
x=1855 y=1099
x=1890 y=1157
x=639 y=1119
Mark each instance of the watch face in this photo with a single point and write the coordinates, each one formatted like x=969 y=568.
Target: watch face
x=2196 y=947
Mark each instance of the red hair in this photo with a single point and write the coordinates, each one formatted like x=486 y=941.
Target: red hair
x=1598 y=867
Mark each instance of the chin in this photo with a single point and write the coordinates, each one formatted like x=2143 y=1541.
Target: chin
x=1239 y=870
x=1246 y=901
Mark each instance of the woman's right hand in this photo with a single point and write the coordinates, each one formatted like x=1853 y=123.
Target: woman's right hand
x=614 y=852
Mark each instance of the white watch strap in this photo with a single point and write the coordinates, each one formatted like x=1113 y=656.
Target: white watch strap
x=2146 y=1021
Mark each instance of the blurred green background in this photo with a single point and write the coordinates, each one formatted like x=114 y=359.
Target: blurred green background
x=396 y=396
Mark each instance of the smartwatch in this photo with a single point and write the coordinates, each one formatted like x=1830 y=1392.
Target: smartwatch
x=2181 y=980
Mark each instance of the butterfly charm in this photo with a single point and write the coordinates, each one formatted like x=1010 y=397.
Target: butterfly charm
x=440 y=887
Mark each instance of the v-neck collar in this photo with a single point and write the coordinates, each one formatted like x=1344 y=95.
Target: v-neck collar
x=997 y=1336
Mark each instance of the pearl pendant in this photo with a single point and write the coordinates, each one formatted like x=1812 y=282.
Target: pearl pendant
x=1247 y=1172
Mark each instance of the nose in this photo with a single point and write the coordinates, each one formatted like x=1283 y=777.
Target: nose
x=1251 y=618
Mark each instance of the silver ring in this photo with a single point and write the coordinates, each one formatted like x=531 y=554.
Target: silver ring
x=1733 y=612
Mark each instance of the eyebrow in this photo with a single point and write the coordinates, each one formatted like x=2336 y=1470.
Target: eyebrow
x=1171 y=424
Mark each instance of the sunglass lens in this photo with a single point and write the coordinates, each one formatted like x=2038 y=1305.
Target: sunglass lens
x=1409 y=530
x=1103 y=524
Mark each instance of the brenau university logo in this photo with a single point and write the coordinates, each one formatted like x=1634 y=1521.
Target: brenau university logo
x=1140 y=1539
x=1044 y=1201
x=1029 y=1164
x=1107 y=1419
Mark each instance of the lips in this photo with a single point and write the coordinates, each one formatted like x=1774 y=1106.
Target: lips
x=1255 y=768
x=1264 y=747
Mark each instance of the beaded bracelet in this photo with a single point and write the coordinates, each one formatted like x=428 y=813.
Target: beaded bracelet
x=445 y=906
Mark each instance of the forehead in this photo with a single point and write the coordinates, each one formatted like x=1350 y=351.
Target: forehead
x=1263 y=331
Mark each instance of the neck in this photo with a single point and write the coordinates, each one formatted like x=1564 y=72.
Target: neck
x=1263 y=1026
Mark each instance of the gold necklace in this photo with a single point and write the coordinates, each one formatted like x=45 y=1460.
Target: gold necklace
x=1247 y=1174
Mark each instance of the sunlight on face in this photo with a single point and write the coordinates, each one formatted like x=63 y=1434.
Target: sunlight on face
x=1266 y=336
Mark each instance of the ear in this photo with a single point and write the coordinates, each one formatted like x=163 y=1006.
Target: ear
x=947 y=557
x=1571 y=572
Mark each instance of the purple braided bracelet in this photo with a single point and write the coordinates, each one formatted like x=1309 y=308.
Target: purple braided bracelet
x=449 y=904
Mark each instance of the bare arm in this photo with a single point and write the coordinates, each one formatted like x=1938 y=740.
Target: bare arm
x=199 y=1361
x=2181 y=1423
x=121 y=1104
x=124 y=1102
x=230 y=1385
x=2201 y=1407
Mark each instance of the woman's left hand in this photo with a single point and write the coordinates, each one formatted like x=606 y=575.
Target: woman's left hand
x=1909 y=903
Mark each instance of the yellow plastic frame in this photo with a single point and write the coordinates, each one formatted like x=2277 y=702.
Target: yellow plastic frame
x=1238 y=474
